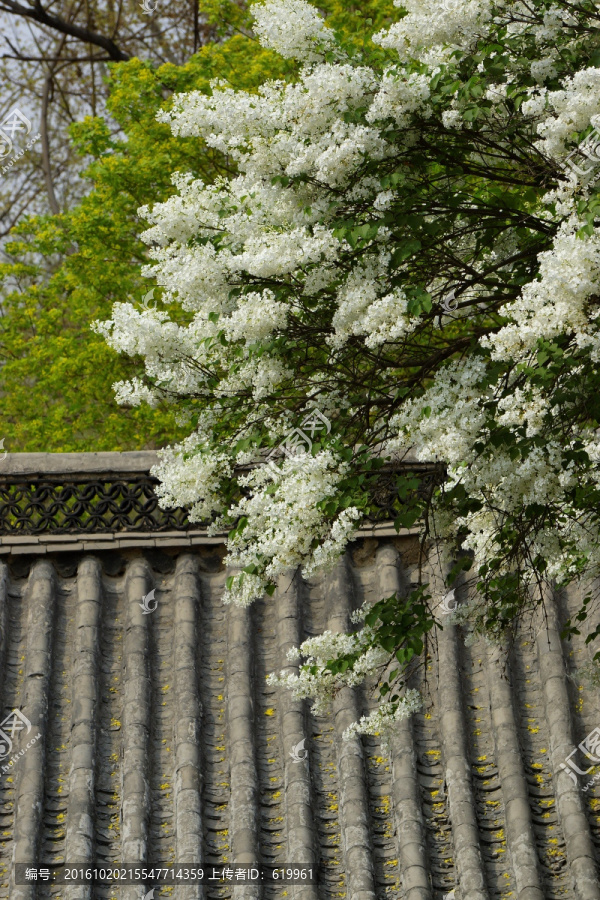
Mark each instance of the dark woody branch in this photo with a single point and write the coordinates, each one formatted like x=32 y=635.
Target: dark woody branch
x=38 y=14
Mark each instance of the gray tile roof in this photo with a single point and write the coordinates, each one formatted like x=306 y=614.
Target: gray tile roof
x=162 y=742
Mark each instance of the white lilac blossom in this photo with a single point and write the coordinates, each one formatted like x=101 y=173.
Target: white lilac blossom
x=556 y=303
x=399 y=243
x=572 y=108
x=314 y=682
x=284 y=518
x=456 y=417
x=382 y=722
x=297 y=34
x=431 y=27
x=322 y=686
x=192 y=480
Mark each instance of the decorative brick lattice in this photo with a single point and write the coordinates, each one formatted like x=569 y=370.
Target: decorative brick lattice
x=92 y=504
x=122 y=502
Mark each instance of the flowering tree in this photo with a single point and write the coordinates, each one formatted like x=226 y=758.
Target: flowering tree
x=407 y=242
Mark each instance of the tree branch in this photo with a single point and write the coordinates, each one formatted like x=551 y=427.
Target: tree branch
x=42 y=17
x=42 y=59
x=46 y=146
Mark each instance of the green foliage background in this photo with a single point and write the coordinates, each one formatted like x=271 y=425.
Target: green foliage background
x=56 y=375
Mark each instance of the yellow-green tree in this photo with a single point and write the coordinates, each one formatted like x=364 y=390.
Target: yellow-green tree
x=66 y=270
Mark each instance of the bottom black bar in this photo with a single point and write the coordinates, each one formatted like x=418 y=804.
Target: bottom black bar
x=181 y=873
